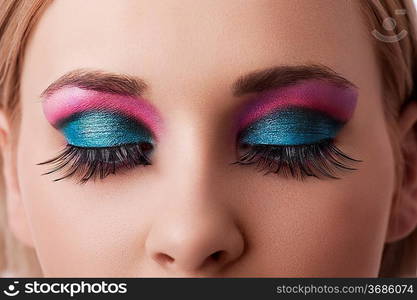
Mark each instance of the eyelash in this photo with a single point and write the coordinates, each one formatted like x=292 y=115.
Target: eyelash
x=92 y=163
x=319 y=160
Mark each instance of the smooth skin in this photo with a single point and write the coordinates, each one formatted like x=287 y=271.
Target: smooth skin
x=168 y=219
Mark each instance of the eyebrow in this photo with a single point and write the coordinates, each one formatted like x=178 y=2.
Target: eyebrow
x=256 y=81
x=282 y=76
x=100 y=81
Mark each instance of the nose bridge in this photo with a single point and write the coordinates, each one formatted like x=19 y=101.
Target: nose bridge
x=193 y=230
x=188 y=157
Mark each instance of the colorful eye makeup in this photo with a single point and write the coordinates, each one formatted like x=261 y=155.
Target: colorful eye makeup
x=104 y=131
x=301 y=114
x=291 y=126
x=107 y=119
x=101 y=128
x=292 y=129
x=288 y=130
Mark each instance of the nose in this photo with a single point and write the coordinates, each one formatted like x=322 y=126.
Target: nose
x=194 y=229
x=194 y=241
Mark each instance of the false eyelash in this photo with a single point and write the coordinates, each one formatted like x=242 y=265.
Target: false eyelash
x=319 y=160
x=91 y=163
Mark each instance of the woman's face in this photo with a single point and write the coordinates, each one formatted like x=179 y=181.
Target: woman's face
x=192 y=212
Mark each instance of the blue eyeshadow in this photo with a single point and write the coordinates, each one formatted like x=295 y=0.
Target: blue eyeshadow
x=291 y=126
x=100 y=128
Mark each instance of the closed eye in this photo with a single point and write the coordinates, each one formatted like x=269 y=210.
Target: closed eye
x=100 y=143
x=296 y=142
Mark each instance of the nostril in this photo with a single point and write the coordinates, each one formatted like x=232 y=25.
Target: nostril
x=214 y=258
x=163 y=259
x=216 y=255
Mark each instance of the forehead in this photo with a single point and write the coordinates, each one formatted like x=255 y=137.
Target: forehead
x=175 y=43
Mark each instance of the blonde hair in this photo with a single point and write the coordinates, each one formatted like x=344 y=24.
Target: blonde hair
x=397 y=61
x=398 y=74
x=17 y=18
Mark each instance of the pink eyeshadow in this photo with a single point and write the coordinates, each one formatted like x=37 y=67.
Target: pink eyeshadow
x=70 y=100
x=336 y=101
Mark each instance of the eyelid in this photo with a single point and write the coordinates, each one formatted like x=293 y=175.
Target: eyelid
x=99 y=128
x=337 y=101
x=291 y=126
x=70 y=100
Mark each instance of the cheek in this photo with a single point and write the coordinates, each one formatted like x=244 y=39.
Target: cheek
x=83 y=232
x=80 y=233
